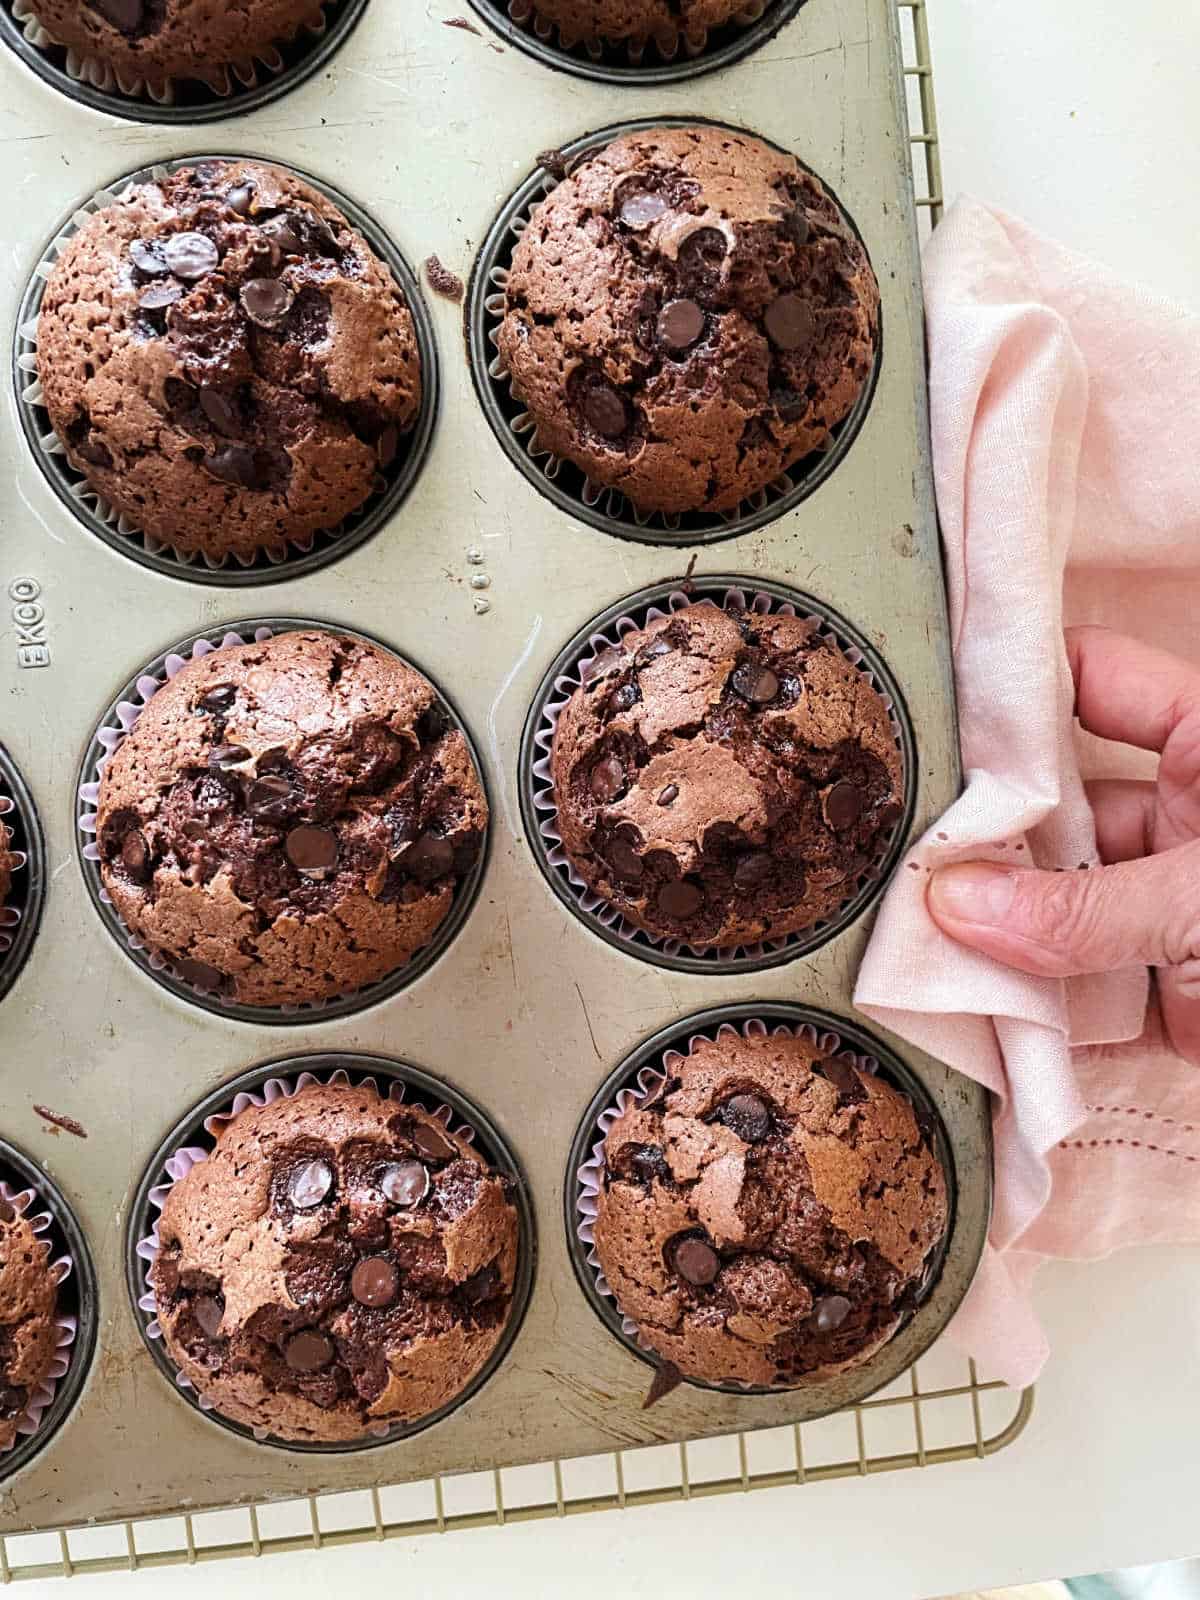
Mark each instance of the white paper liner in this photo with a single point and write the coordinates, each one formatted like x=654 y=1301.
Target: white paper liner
x=108 y=79
x=180 y=1162
x=524 y=14
x=565 y=685
x=93 y=503
x=590 y=1176
x=61 y=1267
x=10 y=915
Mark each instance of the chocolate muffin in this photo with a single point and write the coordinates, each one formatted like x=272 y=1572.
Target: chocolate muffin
x=289 y=820
x=155 y=42
x=633 y=23
x=687 y=315
x=28 y=1337
x=340 y=1262
x=725 y=777
x=8 y=862
x=768 y=1217
x=226 y=361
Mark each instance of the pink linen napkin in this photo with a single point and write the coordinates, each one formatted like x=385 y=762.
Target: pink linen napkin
x=1065 y=410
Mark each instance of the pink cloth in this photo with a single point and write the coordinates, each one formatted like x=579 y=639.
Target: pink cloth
x=1065 y=410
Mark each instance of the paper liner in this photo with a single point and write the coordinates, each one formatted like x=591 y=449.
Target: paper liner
x=608 y=507
x=111 y=734
x=631 y=53
x=271 y=563
x=182 y=1160
x=10 y=915
x=589 y=1177
x=225 y=83
x=591 y=906
x=61 y=1266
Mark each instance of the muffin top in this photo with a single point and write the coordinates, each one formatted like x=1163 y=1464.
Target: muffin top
x=156 y=41
x=636 y=22
x=289 y=820
x=686 y=315
x=28 y=1296
x=340 y=1260
x=725 y=777
x=768 y=1216
x=226 y=361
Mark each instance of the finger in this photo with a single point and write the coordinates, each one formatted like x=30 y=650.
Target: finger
x=1129 y=691
x=1123 y=811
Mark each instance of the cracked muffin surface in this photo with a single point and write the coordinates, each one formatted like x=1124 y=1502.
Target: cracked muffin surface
x=161 y=40
x=341 y=1261
x=636 y=22
x=686 y=315
x=28 y=1298
x=226 y=361
x=289 y=820
x=725 y=777
x=768 y=1217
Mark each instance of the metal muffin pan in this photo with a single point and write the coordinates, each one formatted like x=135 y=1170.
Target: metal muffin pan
x=563 y=482
x=27 y=894
x=425 y=1091
x=151 y=963
x=194 y=101
x=481 y=580
x=72 y=487
x=958 y=1148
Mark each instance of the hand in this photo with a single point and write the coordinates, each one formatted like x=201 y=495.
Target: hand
x=1143 y=906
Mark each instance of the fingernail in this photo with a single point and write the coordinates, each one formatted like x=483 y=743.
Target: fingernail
x=972 y=892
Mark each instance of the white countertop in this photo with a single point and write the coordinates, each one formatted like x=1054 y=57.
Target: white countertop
x=1081 y=115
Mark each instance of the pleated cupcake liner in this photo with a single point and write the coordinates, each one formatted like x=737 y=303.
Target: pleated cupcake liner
x=61 y=1265
x=291 y=557
x=108 y=738
x=592 y=908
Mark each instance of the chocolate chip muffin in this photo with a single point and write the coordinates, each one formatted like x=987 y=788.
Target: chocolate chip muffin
x=339 y=1262
x=687 y=315
x=155 y=42
x=28 y=1338
x=769 y=1216
x=8 y=861
x=725 y=777
x=226 y=361
x=289 y=820
x=632 y=23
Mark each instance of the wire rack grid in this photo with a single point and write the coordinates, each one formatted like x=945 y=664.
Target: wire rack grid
x=939 y=1412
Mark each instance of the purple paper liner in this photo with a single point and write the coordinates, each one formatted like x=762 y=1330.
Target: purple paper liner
x=182 y=1160
x=590 y=1176
x=592 y=905
x=10 y=916
x=62 y=1266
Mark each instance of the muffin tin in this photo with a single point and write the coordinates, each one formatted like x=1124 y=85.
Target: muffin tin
x=483 y=581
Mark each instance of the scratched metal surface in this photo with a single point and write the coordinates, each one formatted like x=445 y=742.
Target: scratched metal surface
x=430 y=127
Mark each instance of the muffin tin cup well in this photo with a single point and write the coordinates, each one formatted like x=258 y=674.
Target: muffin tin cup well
x=393 y=483
x=537 y=794
x=652 y=65
x=561 y=481
x=21 y=913
x=638 y=1079
x=250 y=83
x=192 y=1140
x=119 y=718
x=31 y=1192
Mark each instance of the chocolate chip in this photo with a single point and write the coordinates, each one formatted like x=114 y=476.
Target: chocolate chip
x=696 y=1262
x=844 y=1079
x=789 y=322
x=283 y=232
x=309 y=1184
x=889 y=816
x=621 y=855
x=432 y=1143
x=374 y=1282
x=199 y=974
x=386 y=445
x=228 y=755
x=668 y=794
x=241 y=198
x=269 y=797
x=481 y=1285
x=646 y=1162
x=405 y=1184
x=844 y=805
x=219 y=699
x=608 y=780
x=158 y=296
x=190 y=255
x=754 y=683
x=829 y=1312
x=208 y=1311
x=702 y=252
x=266 y=301
x=429 y=859
x=652 y=651
x=680 y=899
x=178 y=396
x=600 y=666
x=220 y=411
x=748 y=1117
x=235 y=464
x=94 y=451
x=753 y=870
x=135 y=857
x=643 y=208
x=605 y=409
x=311 y=849
x=680 y=324
x=623 y=698
x=123 y=14
x=147 y=256
x=308 y=1351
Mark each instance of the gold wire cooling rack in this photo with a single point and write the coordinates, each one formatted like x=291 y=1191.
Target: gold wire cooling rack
x=938 y=1412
